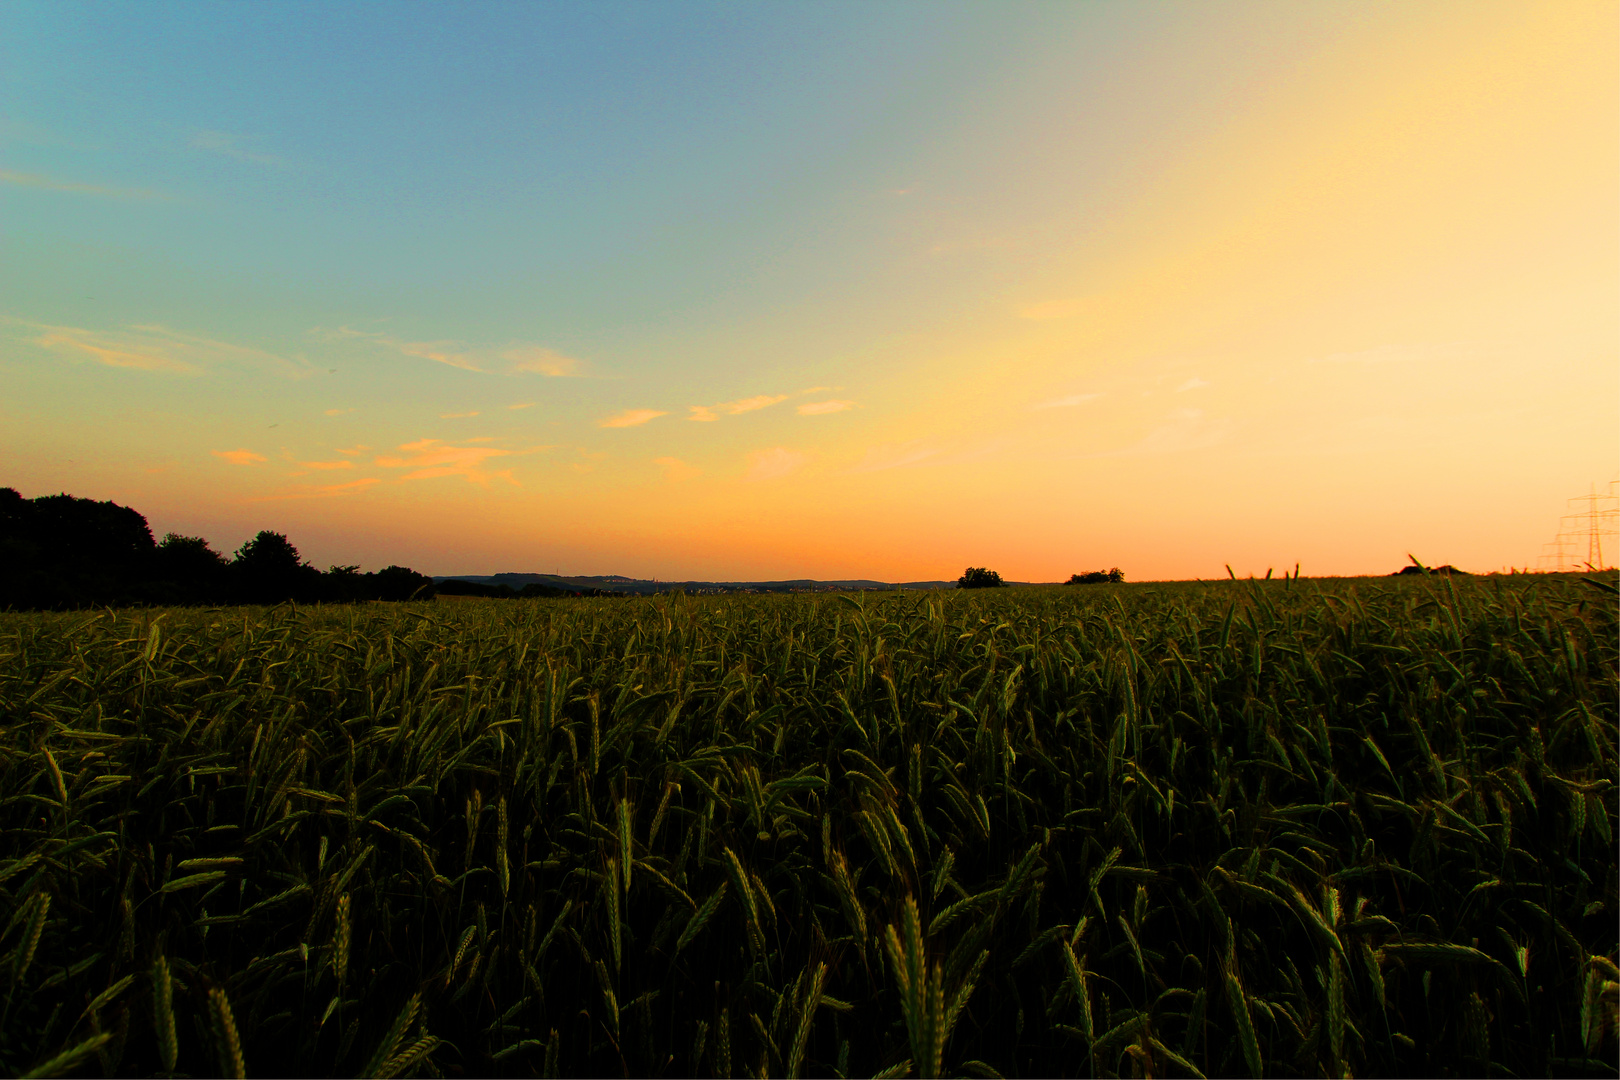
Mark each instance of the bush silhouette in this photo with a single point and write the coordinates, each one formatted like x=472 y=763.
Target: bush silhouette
x=1096 y=577
x=977 y=577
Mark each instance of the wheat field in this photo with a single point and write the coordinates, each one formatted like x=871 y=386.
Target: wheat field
x=1285 y=827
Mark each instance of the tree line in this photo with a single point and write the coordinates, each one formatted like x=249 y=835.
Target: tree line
x=61 y=552
x=980 y=577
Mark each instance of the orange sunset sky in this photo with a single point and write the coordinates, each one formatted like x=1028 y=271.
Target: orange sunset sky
x=743 y=291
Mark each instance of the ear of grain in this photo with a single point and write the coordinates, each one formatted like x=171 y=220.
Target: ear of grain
x=745 y=895
x=1238 y=1003
x=503 y=871
x=626 y=853
x=226 y=1040
x=340 y=940
x=32 y=932
x=163 y=1013
x=410 y=1057
x=393 y=1037
x=722 y=1044
x=1075 y=969
x=1336 y=1011
x=70 y=1059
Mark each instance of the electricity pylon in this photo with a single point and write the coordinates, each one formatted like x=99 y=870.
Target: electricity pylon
x=1595 y=517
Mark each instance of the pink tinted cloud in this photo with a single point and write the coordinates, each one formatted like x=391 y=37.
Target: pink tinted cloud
x=536 y=360
x=429 y=459
x=630 y=418
x=821 y=408
x=240 y=457
x=708 y=413
x=323 y=491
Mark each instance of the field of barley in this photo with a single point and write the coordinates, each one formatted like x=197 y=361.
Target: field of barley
x=1285 y=828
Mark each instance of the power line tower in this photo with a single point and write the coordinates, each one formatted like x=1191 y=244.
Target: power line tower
x=1594 y=519
x=1556 y=556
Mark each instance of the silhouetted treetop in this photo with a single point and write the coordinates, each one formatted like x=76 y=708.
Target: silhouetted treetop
x=977 y=577
x=269 y=553
x=188 y=556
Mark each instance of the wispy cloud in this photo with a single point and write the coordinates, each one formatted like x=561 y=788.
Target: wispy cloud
x=49 y=183
x=429 y=459
x=1067 y=402
x=774 y=463
x=440 y=352
x=322 y=491
x=820 y=408
x=456 y=415
x=158 y=348
x=675 y=469
x=103 y=349
x=240 y=457
x=353 y=451
x=449 y=353
x=348 y=487
x=537 y=360
x=514 y=359
x=306 y=467
x=708 y=413
x=228 y=145
x=759 y=401
x=338 y=412
x=1192 y=384
x=522 y=405
x=212 y=351
x=630 y=418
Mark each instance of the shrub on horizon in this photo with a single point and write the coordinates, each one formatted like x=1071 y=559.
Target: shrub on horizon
x=1097 y=577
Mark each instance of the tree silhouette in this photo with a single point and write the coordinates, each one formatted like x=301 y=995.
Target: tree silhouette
x=977 y=577
x=400 y=583
x=1097 y=577
x=187 y=570
x=58 y=551
x=268 y=570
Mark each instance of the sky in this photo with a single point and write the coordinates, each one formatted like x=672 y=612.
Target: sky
x=833 y=290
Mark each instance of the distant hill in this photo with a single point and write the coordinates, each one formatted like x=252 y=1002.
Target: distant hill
x=647 y=586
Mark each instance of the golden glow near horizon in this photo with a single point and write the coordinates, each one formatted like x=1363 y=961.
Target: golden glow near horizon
x=1258 y=286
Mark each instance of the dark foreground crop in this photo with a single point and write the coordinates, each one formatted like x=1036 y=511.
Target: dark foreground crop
x=1275 y=827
